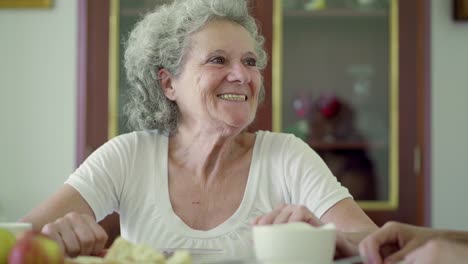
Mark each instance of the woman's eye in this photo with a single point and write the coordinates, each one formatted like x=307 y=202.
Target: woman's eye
x=217 y=60
x=251 y=62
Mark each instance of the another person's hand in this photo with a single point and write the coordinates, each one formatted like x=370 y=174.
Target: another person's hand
x=298 y=213
x=77 y=234
x=438 y=251
x=393 y=241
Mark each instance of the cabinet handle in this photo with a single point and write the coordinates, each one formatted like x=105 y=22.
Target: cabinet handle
x=417 y=160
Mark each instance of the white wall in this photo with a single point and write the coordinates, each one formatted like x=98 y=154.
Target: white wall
x=38 y=57
x=449 y=118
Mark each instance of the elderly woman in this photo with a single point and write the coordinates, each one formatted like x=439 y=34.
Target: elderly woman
x=192 y=177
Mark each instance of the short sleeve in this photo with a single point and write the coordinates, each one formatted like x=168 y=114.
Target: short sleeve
x=101 y=177
x=310 y=182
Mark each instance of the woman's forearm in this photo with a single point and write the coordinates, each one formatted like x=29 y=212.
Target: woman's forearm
x=65 y=200
x=358 y=236
x=460 y=236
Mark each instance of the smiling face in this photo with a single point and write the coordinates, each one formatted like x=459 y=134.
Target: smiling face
x=219 y=85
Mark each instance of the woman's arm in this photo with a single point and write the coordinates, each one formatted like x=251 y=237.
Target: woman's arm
x=350 y=219
x=353 y=223
x=68 y=219
x=64 y=201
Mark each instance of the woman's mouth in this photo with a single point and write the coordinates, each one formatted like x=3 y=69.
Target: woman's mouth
x=233 y=97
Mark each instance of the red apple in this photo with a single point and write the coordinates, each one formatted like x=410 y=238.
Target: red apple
x=7 y=240
x=34 y=247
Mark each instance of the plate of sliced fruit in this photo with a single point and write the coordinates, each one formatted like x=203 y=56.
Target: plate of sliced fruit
x=125 y=252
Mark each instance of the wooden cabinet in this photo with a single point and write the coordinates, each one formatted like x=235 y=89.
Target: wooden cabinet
x=337 y=89
x=351 y=81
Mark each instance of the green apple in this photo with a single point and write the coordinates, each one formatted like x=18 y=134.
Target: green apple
x=7 y=240
x=34 y=247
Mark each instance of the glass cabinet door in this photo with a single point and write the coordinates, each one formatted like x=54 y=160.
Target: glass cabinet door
x=335 y=86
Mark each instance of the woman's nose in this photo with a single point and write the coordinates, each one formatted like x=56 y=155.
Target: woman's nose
x=239 y=73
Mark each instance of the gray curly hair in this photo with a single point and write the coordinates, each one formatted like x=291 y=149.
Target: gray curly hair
x=161 y=40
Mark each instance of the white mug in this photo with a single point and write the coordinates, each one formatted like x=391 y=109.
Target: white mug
x=16 y=228
x=294 y=243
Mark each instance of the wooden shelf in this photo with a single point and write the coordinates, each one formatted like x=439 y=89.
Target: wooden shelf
x=321 y=145
x=343 y=13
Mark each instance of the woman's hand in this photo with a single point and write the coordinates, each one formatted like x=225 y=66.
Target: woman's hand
x=286 y=213
x=77 y=234
x=393 y=242
x=298 y=213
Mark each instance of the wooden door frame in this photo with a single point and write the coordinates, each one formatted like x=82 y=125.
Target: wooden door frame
x=414 y=20
x=424 y=109
x=93 y=75
x=93 y=84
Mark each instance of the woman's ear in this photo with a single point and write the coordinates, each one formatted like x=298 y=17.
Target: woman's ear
x=165 y=79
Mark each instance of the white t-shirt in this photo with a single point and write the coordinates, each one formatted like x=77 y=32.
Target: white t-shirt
x=129 y=175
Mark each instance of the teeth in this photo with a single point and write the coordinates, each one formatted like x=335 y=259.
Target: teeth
x=233 y=97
